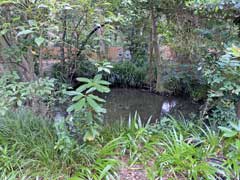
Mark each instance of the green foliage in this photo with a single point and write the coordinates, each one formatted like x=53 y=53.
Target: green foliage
x=223 y=76
x=232 y=148
x=183 y=159
x=15 y=93
x=127 y=74
x=87 y=107
x=186 y=80
x=104 y=66
x=29 y=148
x=138 y=143
x=32 y=146
x=84 y=69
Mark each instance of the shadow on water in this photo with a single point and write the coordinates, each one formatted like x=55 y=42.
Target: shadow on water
x=122 y=102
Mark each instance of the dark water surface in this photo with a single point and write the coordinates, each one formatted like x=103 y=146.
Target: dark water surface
x=121 y=102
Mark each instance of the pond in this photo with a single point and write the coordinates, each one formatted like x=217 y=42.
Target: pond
x=122 y=102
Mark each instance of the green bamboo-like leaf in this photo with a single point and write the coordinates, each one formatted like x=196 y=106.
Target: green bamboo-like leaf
x=102 y=89
x=84 y=87
x=97 y=98
x=104 y=82
x=98 y=77
x=81 y=79
x=72 y=93
x=95 y=105
x=77 y=98
x=77 y=106
x=235 y=126
x=105 y=171
x=70 y=108
x=90 y=90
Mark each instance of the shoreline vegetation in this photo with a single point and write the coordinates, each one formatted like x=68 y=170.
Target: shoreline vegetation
x=59 y=119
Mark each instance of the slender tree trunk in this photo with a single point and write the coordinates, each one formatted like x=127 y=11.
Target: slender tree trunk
x=40 y=63
x=151 y=60
x=102 y=48
x=28 y=72
x=158 y=57
x=238 y=110
x=62 y=48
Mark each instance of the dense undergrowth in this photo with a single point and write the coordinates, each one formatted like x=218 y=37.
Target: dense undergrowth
x=35 y=148
x=134 y=74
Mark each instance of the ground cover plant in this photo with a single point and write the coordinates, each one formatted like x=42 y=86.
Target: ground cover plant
x=59 y=61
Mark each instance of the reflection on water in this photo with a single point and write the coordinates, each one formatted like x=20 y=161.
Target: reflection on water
x=121 y=102
x=167 y=106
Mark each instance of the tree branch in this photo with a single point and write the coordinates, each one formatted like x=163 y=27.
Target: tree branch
x=88 y=37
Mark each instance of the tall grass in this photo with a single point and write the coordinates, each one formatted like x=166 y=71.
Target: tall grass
x=32 y=147
x=28 y=151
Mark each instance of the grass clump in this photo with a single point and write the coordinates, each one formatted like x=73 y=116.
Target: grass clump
x=33 y=147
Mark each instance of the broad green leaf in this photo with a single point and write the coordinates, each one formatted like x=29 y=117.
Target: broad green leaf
x=90 y=90
x=97 y=98
x=104 y=82
x=70 y=108
x=77 y=98
x=83 y=80
x=39 y=41
x=228 y=132
x=24 y=32
x=72 y=93
x=98 y=77
x=77 y=106
x=4 y=31
x=102 y=89
x=84 y=87
x=95 y=105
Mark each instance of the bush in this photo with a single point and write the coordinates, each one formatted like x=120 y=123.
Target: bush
x=83 y=68
x=223 y=76
x=127 y=74
x=186 y=80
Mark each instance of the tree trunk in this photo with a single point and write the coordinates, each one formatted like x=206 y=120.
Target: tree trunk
x=158 y=58
x=62 y=48
x=238 y=110
x=151 y=60
x=102 y=48
x=40 y=63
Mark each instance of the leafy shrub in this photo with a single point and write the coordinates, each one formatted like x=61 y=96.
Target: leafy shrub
x=83 y=68
x=43 y=92
x=127 y=74
x=232 y=148
x=87 y=108
x=185 y=81
x=223 y=77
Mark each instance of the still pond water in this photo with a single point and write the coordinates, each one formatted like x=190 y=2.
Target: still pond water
x=122 y=102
